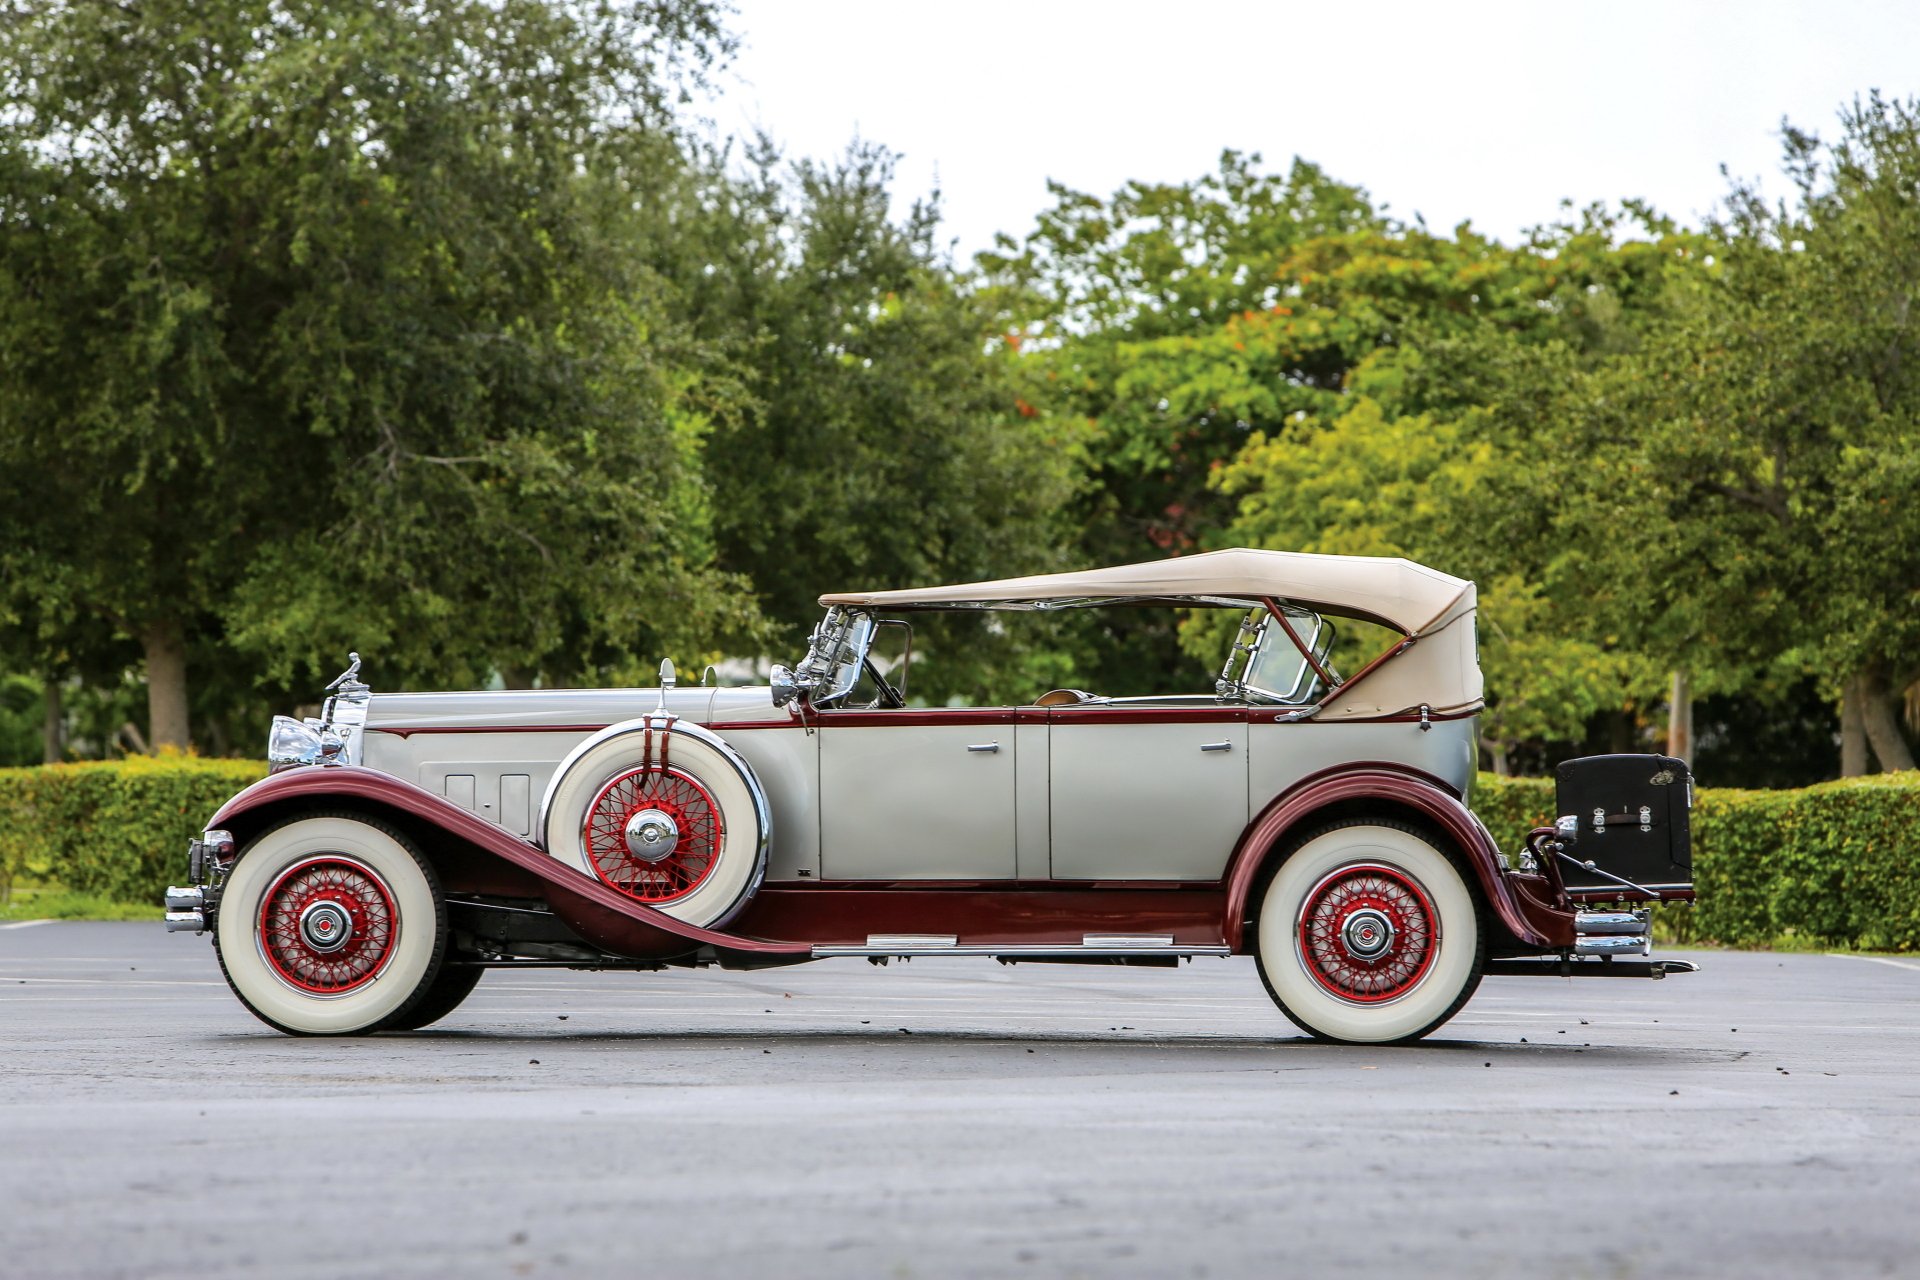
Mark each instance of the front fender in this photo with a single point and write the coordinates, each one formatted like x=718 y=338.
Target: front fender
x=598 y=912
x=1532 y=923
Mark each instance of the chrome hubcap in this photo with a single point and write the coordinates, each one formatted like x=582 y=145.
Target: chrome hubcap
x=326 y=927
x=1367 y=933
x=652 y=835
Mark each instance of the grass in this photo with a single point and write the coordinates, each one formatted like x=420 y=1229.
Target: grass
x=51 y=901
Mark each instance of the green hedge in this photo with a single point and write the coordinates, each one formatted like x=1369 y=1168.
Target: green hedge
x=116 y=829
x=1832 y=865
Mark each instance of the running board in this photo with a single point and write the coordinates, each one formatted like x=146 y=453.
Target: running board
x=1589 y=968
x=1090 y=946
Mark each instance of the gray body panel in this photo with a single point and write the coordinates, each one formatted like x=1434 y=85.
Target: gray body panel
x=1066 y=800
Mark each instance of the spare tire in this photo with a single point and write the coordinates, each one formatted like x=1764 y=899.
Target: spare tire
x=664 y=812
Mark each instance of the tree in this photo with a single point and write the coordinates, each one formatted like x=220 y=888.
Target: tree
x=315 y=334
x=873 y=434
x=1747 y=482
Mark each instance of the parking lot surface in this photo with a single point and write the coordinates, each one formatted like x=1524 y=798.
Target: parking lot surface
x=954 y=1118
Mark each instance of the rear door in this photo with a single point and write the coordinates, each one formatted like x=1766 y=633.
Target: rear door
x=1146 y=793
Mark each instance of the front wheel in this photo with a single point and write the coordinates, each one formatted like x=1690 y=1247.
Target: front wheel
x=1369 y=934
x=331 y=925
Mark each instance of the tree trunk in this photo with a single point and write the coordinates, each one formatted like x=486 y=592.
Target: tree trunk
x=166 y=651
x=1853 y=731
x=53 y=735
x=1680 y=719
x=1497 y=754
x=1882 y=726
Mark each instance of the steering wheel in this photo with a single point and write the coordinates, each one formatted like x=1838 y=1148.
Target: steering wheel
x=886 y=696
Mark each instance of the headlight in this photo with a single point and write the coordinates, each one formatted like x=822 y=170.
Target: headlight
x=292 y=742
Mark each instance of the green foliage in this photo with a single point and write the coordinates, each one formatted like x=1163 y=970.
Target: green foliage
x=872 y=436
x=1833 y=865
x=322 y=330
x=115 y=830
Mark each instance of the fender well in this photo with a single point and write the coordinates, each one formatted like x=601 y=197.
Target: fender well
x=474 y=855
x=1389 y=791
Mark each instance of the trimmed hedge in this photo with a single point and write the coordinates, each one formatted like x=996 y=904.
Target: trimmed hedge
x=117 y=829
x=1833 y=865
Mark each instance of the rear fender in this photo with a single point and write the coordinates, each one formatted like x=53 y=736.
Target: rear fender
x=600 y=914
x=1388 y=791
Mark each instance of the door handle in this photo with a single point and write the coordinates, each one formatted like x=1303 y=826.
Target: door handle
x=1216 y=746
x=984 y=748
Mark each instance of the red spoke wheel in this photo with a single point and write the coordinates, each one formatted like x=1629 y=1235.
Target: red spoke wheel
x=653 y=834
x=327 y=925
x=1368 y=933
x=331 y=924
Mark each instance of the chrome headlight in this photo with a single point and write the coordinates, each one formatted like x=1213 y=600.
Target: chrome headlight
x=292 y=742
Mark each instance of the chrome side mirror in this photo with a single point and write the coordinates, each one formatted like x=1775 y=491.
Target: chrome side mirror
x=784 y=689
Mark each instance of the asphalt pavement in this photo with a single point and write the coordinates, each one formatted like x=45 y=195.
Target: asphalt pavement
x=954 y=1118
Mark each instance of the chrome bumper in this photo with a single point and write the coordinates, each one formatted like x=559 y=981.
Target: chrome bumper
x=190 y=910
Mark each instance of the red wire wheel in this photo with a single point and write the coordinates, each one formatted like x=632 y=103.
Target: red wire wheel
x=1368 y=933
x=327 y=925
x=635 y=796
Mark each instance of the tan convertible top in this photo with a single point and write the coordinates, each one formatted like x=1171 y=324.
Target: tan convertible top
x=1407 y=596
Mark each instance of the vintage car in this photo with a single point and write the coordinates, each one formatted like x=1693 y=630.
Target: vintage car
x=405 y=843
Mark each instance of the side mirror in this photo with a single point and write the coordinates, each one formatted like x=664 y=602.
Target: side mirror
x=784 y=689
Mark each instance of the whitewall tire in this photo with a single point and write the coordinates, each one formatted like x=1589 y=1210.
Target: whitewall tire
x=330 y=925
x=1369 y=934
x=673 y=819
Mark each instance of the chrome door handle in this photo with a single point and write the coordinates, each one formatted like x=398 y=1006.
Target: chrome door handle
x=987 y=748
x=1216 y=746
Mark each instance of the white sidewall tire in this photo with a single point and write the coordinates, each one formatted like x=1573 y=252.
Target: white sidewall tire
x=737 y=867
x=416 y=949
x=1456 y=967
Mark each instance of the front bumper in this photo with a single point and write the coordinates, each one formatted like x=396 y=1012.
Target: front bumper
x=194 y=909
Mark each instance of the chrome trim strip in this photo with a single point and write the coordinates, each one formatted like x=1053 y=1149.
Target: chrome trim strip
x=1126 y=940
x=925 y=941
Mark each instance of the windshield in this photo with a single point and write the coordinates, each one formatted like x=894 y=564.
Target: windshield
x=834 y=655
x=1276 y=668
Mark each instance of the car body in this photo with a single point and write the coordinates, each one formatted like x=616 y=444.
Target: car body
x=407 y=842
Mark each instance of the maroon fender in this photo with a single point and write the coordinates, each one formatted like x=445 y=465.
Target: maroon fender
x=1532 y=923
x=610 y=917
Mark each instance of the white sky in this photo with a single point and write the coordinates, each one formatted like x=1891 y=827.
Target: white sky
x=1492 y=111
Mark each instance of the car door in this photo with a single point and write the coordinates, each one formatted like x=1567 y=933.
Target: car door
x=917 y=795
x=1146 y=793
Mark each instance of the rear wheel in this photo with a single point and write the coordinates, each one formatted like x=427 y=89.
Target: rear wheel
x=331 y=924
x=1369 y=934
